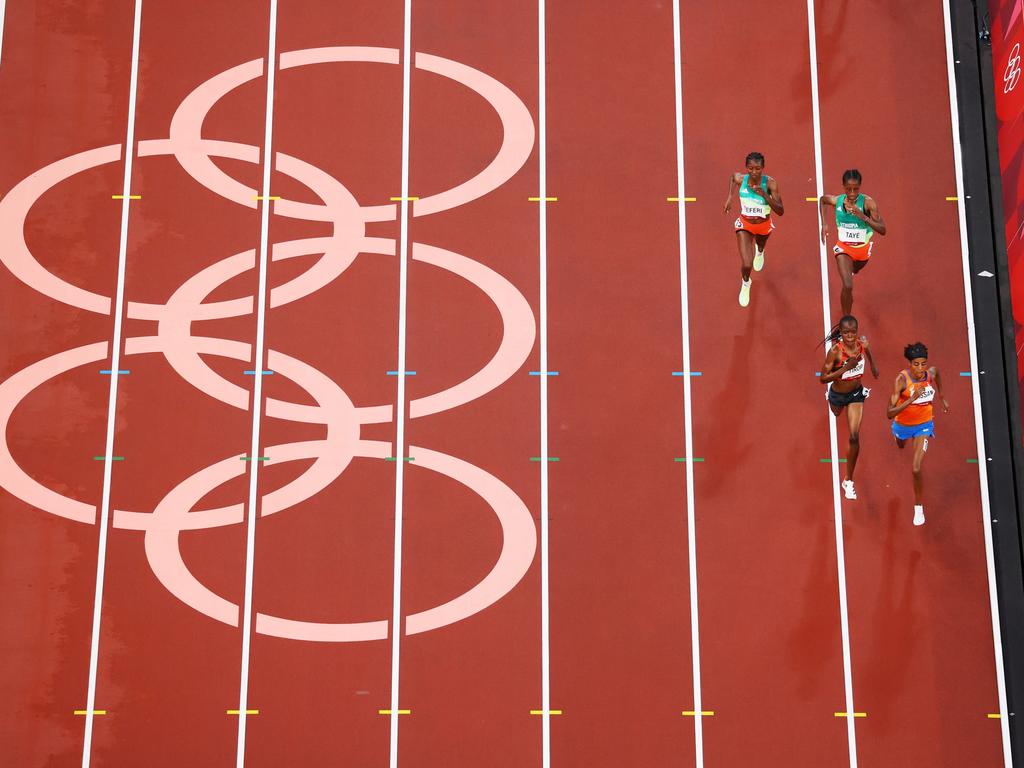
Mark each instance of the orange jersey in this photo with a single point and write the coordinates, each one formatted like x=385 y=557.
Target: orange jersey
x=919 y=411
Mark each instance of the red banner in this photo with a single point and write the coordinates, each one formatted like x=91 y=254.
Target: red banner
x=1007 y=24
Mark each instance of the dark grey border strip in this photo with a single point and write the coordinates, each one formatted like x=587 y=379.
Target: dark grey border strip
x=1000 y=398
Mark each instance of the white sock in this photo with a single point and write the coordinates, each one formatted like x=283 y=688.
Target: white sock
x=747 y=282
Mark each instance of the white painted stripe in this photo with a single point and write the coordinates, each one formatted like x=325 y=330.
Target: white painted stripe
x=3 y=14
x=684 y=296
x=844 y=617
x=258 y=364
x=115 y=365
x=399 y=452
x=986 y=512
x=542 y=191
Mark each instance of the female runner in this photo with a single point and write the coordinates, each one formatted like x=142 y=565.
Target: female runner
x=759 y=199
x=842 y=371
x=910 y=408
x=857 y=221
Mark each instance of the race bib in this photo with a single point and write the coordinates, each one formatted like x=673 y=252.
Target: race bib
x=849 y=233
x=754 y=208
x=857 y=370
x=927 y=394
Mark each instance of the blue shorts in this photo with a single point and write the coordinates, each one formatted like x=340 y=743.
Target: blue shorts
x=904 y=432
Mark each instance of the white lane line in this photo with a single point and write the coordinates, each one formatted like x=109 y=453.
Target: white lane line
x=542 y=191
x=403 y=259
x=115 y=365
x=3 y=14
x=684 y=295
x=986 y=512
x=257 y=393
x=844 y=617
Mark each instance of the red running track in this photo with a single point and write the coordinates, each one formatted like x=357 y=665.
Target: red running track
x=620 y=652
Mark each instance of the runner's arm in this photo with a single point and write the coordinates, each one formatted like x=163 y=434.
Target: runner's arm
x=938 y=389
x=894 y=409
x=867 y=354
x=873 y=218
x=822 y=202
x=774 y=198
x=733 y=183
x=827 y=374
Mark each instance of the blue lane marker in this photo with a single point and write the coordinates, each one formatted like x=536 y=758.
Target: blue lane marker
x=817 y=373
x=407 y=373
x=111 y=372
x=965 y=373
x=543 y=373
x=253 y=373
x=683 y=373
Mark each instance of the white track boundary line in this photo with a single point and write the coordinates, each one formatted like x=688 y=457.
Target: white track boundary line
x=684 y=294
x=542 y=192
x=257 y=394
x=115 y=356
x=833 y=443
x=3 y=15
x=403 y=259
x=986 y=512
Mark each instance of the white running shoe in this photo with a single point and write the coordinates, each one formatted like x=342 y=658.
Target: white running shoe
x=744 y=293
x=758 y=260
x=849 y=490
x=918 y=514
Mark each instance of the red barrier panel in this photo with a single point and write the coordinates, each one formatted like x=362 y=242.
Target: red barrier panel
x=1007 y=24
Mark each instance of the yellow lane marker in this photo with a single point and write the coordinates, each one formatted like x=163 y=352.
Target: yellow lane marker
x=545 y=199
x=811 y=199
x=855 y=714
x=400 y=199
x=397 y=711
x=703 y=713
x=541 y=711
x=86 y=711
x=248 y=711
x=130 y=197
x=271 y=197
x=685 y=199
x=995 y=716
x=952 y=199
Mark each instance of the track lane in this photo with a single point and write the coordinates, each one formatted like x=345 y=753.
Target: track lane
x=328 y=559
x=767 y=554
x=620 y=619
x=918 y=596
x=471 y=684
x=169 y=670
x=47 y=563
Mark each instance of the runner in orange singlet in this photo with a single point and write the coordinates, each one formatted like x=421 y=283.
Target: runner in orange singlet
x=910 y=408
x=759 y=199
x=842 y=372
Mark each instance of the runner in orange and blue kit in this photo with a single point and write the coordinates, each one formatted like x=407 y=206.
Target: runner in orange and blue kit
x=857 y=221
x=842 y=372
x=759 y=199
x=910 y=408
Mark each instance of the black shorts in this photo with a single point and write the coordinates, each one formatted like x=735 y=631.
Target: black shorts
x=843 y=399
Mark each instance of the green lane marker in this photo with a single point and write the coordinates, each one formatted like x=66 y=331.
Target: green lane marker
x=829 y=461
x=112 y=458
x=404 y=458
x=972 y=461
x=550 y=458
x=258 y=458
x=685 y=459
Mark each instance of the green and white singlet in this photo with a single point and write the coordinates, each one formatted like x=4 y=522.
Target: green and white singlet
x=849 y=228
x=752 y=205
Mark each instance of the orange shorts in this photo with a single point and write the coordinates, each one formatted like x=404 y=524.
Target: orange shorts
x=755 y=227
x=855 y=252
